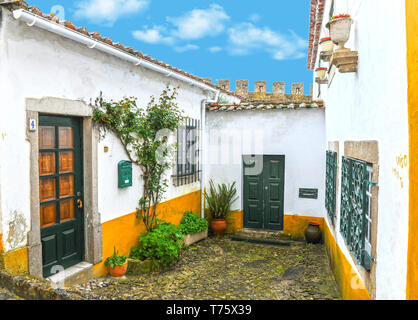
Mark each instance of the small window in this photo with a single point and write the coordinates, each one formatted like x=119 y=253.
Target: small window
x=356 y=216
x=331 y=185
x=188 y=166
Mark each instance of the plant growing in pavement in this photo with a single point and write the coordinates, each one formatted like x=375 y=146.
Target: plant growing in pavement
x=144 y=133
x=163 y=244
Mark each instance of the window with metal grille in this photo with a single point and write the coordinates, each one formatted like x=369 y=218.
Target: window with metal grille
x=330 y=188
x=355 y=224
x=188 y=166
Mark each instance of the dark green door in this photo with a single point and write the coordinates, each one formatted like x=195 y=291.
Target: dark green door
x=264 y=194
x=61 y=192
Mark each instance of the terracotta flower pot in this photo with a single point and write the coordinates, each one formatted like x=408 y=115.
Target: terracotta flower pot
x=326 y=44
x=313 y=233
x=218 y=227
x=321 y=72
x=339 y=30
x=118 y=271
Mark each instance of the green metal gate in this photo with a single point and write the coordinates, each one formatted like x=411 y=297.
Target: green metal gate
x=354 y=205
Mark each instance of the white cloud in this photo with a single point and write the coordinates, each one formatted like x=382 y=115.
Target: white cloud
x=153 y=36
x=246 y=38
x=215 y=49
x=199 y=23
x=108 y=11
x=254 y=17
x=187 y=47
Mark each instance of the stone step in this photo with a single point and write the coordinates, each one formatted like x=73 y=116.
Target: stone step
x=264 y=234
x=77 y=274
x=262 y=241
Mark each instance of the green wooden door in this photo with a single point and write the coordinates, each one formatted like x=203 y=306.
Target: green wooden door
x=264 y=194
x=61 y=192
x=273 y=181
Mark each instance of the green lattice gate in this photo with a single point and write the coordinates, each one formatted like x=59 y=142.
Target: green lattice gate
x=354 y=203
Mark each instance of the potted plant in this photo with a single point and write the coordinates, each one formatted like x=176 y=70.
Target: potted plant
x=117 y=264
x=339 y=29
x=193 y=227
x=220 y=201
x=321 y=72
x=326 y=44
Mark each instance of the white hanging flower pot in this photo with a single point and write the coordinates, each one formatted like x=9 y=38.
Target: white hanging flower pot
x=326 y=44
x=321 y=72
x=339 y=29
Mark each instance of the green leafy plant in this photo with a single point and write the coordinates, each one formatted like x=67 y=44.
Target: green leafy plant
x=115 y=260
x=191 y=223
x=163 y=244
x=220 y=200
x=144 y=133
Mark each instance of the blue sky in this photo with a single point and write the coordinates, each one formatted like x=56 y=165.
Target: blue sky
x=224 y=39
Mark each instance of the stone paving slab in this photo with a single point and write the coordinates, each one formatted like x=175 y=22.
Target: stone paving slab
x=221 y=269
x=7 y=295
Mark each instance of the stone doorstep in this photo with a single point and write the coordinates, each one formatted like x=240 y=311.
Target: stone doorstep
x=72 y=276
x=266 y=234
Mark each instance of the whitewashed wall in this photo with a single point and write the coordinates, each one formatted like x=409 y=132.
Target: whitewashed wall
x=35 y=64
x=297 y=134
x=372 y=105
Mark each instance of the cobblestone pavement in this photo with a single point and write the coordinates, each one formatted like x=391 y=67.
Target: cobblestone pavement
x=7 y=295
x=221 y=269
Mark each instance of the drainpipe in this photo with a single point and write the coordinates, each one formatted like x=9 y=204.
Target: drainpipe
x=34 y=20
x=205 y=102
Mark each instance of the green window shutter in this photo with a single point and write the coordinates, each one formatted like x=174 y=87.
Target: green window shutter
x=354 y=205
x=330 y=188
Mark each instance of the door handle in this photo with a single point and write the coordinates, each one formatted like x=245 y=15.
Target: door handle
x=79 y=204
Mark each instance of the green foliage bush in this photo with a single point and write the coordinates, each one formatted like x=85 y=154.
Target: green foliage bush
x=191 y=223
x=162 y=244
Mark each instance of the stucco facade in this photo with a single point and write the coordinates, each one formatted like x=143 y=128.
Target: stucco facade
x=367 y=117
x=298 y=134
x=43 y=72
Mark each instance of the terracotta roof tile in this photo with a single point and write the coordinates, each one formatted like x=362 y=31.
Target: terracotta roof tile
x=263 y=106
x=316 y=18
x=96 y=35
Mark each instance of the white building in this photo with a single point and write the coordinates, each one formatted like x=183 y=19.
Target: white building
x=370 y=220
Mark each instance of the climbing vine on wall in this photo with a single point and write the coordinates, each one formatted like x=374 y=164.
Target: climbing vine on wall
x=144 y=132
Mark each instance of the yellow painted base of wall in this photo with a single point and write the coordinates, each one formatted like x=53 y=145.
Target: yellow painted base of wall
x=123 y=232
x=293 y=225
x=15 y=262
x=235 y=222
x=351 y=286
x=296 y=226
x=412 y=56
